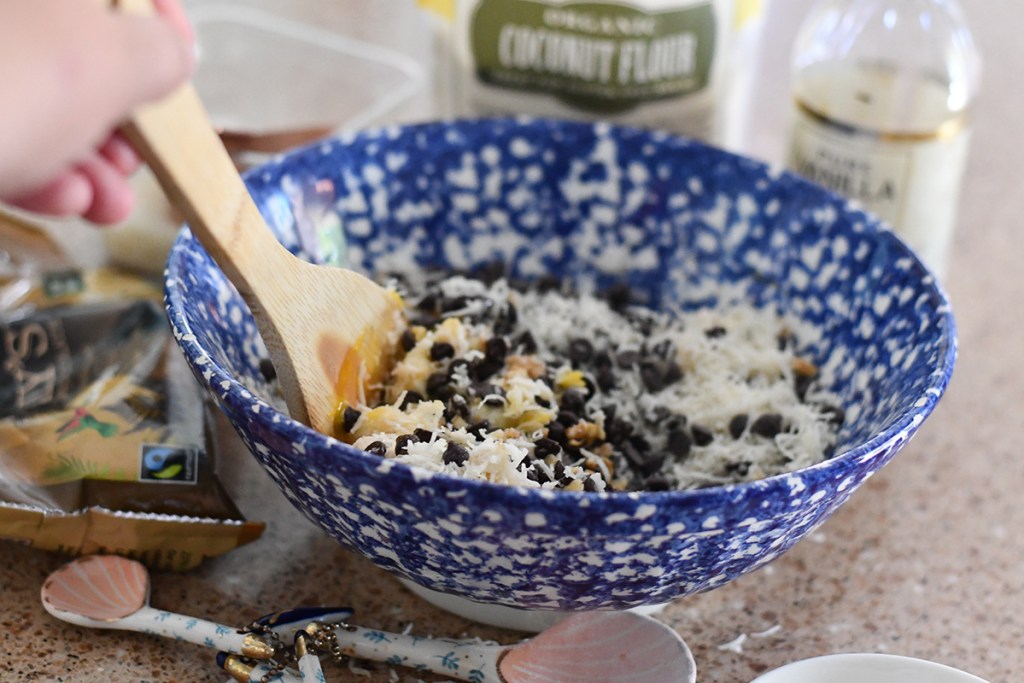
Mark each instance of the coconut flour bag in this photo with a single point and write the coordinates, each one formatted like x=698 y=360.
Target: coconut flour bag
x=659 y=64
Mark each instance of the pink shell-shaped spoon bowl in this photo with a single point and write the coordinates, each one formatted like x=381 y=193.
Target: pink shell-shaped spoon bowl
x=107 y=591
x=624 y=647
x=104 y=588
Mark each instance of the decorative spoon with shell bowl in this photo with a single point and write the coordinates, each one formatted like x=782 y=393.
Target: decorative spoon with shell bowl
x=107 y=591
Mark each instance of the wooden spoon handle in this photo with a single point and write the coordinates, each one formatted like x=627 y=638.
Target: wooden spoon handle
x=175 y=138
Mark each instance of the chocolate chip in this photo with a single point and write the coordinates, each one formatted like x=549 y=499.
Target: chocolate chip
x=538 y=474
x=768 y=425
x=526 y=343
x=438 y=387
x=556 y=432
x=580 y=350
x=627 y=359
x=640 y=442
x=801 y=384
x=678 y=443
x=546 y=446
x=424 y=435
x=641 y=460
x=662 y=349
x=702 y=436
x=479 y=429
x=548 y=283
x=632 y=455
x=506 y=319
x=349 y=418
x=455 y=454
x=490 y=272
x=644 y=326
x=411 y=398
x=657 y=482
x=673 y=373
x=617 y=430
x=441 y=351
x=408 y=340
x=737 y=425
x=606 y=378
x=494 y=400
x=618 y=296
x=484 y=368
x=835 y=414
x=542 y=402
x=267 y=369
x=495 y=349
x=675 y=422
x=574 y=401
x=402 y=443
x=377 y=448
x=739 y=469
x=457 y=407
x=715 y=332
x=589 y=485
x=652 y=374
x=567 y=418
x=454 y=303
x=427 y=303
x=456 y=367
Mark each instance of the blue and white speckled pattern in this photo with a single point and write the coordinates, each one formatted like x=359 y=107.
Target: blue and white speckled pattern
x=685 y=225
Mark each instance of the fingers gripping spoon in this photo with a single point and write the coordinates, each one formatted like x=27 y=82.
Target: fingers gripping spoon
x=106 y=591
x=325 y=328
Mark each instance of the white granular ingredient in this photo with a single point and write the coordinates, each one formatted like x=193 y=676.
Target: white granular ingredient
x=731 y=361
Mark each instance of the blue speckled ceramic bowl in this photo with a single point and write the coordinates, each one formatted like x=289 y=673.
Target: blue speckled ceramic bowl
x=684 y=224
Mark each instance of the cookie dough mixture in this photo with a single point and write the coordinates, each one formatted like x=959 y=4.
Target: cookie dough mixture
x=539 y=386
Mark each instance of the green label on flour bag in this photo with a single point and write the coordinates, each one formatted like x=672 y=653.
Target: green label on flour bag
x=597 y=56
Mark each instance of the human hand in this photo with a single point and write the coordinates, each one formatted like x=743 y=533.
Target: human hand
x=73 y=70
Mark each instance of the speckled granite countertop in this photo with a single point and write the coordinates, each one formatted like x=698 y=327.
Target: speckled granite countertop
x=925 y=560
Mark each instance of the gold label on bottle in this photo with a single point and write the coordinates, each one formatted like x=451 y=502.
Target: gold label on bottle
x=909 y=180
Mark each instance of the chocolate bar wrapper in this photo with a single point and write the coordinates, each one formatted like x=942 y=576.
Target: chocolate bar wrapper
x=106 y=441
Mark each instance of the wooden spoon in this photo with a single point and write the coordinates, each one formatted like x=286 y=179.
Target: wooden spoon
x=326 y=329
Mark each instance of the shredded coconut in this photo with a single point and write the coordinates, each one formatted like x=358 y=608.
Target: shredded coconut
x=537 y=386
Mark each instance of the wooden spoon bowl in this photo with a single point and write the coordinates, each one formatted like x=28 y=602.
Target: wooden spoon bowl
x=326 y=329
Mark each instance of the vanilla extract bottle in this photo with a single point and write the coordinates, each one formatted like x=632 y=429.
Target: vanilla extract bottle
x=883 y=95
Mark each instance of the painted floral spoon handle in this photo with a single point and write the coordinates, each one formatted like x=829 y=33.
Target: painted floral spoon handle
x=190 y=629
x=113 y=592
x=466 y=660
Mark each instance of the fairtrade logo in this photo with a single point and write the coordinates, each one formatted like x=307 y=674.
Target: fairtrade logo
x=168 y=464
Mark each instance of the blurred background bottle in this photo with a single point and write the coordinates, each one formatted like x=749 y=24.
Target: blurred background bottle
x=883 y=92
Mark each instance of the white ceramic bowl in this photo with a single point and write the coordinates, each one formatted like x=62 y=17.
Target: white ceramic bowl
x=866 y=668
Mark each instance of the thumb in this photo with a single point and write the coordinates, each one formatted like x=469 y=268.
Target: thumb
x=149 y=58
